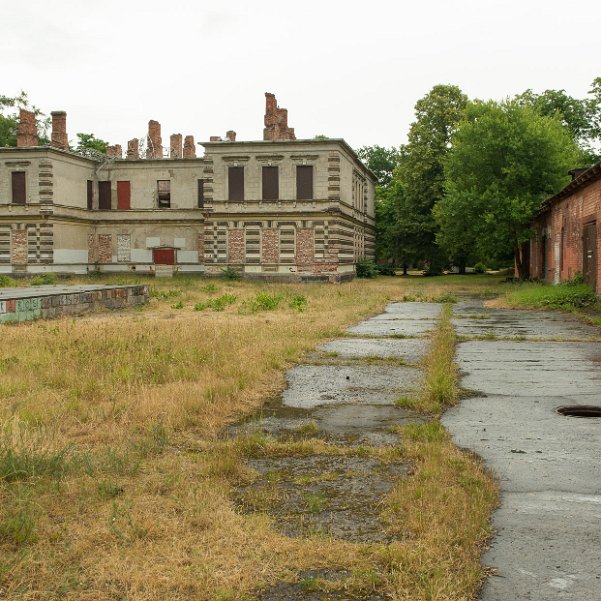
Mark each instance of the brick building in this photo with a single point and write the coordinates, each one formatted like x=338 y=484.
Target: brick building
x=278 y=207
x=567 y=237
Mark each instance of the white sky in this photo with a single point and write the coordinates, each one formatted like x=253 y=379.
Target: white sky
x=350 y=69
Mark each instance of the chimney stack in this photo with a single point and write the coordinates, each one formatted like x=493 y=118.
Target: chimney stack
x=155 y=143
x=133 y=150
x=189 y=148
x=175 y=142
x=27 y=132
x=114 y=151
x=231 y=136
x=59 y=138
x=276 y=121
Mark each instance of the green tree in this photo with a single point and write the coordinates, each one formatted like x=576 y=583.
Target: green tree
x=87 y=142
x=581 y=116
x=421 y=174
x=380 y=161
x=506 y=160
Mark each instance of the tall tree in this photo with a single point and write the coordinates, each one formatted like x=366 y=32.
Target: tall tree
x=421 y=174
x=581 y=116
x=506 y=159
x=381 y=161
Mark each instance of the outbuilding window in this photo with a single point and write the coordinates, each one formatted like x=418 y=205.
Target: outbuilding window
x=164 y=193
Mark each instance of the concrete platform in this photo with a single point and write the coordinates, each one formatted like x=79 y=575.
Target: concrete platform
x=47 y=302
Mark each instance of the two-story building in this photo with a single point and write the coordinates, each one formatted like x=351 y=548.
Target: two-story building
x=296 y=209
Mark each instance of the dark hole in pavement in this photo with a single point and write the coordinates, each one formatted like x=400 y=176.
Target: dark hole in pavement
x=580 y=411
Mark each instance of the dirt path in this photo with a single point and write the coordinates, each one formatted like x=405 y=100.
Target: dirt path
x=524 y=366
x=344 y=394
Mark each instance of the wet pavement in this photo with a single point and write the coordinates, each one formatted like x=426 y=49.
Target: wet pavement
x=548 y=541
x=344 y=395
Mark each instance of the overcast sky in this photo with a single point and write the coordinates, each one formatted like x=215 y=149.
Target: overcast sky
x=350 y=69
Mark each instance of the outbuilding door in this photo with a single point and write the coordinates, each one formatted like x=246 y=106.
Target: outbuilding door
x=589 y=259
x=163 y=256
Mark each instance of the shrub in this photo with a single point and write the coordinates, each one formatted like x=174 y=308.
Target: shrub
x=6 y=281
x=44 y=279
x=217 y=304
x=366 y=268
x=265 y=302
x=229 y=273
x=480 y=268
x=178 y=305
x=386 y=269
x=298 y=302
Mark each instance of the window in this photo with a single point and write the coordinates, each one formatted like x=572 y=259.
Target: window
x=236 y=183
x=19 y=190
x=104 y=196
x=201 y=193
x=164 y=193
x=271 y=184
x=304 y=182
x=90 y=194
x=123 y=196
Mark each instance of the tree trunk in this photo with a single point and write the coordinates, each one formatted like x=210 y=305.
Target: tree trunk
x=519 y=263
x=404 y=268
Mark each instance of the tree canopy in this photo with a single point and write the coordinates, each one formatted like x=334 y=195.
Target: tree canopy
x=506 y=159
x=9 y=118
x=86 y=142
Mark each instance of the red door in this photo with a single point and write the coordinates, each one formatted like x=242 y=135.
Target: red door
x=123 y=196
x=163 y=256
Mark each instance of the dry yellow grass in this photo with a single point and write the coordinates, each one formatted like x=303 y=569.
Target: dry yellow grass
x=112 y=482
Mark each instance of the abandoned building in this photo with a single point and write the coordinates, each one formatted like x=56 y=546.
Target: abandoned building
x=278 y=207
x=567 y=229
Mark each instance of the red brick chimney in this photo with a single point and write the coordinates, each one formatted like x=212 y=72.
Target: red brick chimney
x=155 y=142
x=231 y=135
x=27 y=132
x=189 y=148
x=276 y=121
x=175 y=143
x=59 y=138
x=133 y=150
x=114 y=151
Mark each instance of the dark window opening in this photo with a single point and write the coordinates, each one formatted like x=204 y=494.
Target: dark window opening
x=236 y=183
x=271 y=184
x=201 y=193
x=123 y=196
x=104 y=196
x=304 y=182
x=90 y=194
x=164 y=193
x=19 y=188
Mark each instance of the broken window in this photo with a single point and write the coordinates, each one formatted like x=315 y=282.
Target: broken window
x=164 y=193
x=19 y=189
x=271 y=184
x=304 y=182
x=104 y=196
x=236 y=183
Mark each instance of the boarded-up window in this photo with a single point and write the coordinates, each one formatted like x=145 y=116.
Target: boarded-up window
x=5 y=244
x=252 y=247
x=201 y=193
x=304 y=182
x=287 y=244
x=235 y=180
x=164 y=193
x=104 y=196
x=90 y=194
x=124 y=248
x=123 y=196
x=271 y=184
x=19 y=191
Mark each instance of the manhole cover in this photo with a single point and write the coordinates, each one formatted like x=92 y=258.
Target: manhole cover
x=581 y=411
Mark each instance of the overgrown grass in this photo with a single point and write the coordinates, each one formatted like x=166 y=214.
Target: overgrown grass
x=443 y=510
x=123 y=488
x=566 y=296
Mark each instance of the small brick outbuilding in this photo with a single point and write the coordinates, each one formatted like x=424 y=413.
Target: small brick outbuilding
x=567 y=238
